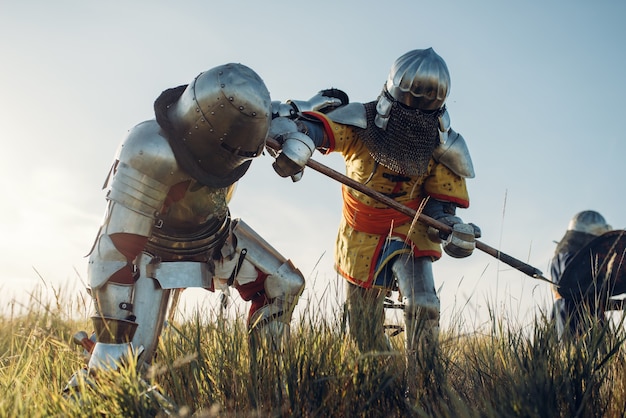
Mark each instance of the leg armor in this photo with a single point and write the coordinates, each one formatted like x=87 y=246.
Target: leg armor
x=275 y=290
x=129 y=318
x=559 y=316
x=421 y=304
x=366 y=318
x=421 y=314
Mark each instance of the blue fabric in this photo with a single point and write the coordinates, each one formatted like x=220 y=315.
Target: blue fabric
x=385 y=278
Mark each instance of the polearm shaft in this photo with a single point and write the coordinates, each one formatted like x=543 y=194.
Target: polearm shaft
x=341 y=178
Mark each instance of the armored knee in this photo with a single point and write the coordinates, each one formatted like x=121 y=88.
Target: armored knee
x=416 y=283
x=283 y=282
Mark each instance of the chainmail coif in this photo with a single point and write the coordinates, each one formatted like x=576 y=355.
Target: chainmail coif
x=407 y=145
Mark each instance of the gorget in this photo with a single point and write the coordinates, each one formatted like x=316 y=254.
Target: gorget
x=407 y=144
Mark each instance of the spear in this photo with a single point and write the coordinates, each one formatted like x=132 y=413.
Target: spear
x=527 y=269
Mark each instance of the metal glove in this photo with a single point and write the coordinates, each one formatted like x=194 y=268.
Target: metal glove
x=438 y=236
x=461 y=242
x=324 y=101
x=296 y=151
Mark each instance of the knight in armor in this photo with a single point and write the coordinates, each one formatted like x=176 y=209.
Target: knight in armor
x=583 y=228
x=167 y=224
x=401 y=145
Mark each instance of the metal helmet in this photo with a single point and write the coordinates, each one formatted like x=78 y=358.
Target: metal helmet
x=419 y=79
x=223 y=117
x=589 y=222
x=410 y=113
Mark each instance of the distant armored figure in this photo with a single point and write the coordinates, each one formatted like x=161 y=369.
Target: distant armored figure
x=579 y=268
x=401 y=145
x=168 y=226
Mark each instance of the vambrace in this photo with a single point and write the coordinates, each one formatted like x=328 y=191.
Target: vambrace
x=105 y=259
x=444 y=212
x=134 y=199
x=282 y=128
x=324 y=101
x=461 y=241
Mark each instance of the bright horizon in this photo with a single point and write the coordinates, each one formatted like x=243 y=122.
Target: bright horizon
x=537 y=92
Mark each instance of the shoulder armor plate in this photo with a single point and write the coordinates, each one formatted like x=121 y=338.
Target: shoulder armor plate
x=351 y=114
x=455 y=155
x=145 y=170
x=148 y=151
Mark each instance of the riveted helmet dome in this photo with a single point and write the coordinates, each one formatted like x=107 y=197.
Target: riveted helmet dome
x=224 y=116
x=590 y=222
x=419 y=79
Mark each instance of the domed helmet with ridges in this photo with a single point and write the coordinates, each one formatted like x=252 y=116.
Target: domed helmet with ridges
x=419 y=79
x=409 y=113
x=589 y=222
x=223 y=117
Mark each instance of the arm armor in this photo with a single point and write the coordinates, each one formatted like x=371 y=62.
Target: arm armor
x=144 y=170
x=324 y=101
x=455 y=155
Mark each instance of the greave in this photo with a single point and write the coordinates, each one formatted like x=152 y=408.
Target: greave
x=366 y=317
x=129 y=319
x=421 y=315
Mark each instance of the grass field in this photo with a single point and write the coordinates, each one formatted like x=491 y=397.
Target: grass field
x=203 y=369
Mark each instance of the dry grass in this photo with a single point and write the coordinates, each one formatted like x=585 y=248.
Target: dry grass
x=204 y=369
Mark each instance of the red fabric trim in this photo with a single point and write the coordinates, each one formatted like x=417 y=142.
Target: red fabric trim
x=255 y=293
x=372 y=220
x=249 y=290
x=176 y=193
x=369 y=283
x=130 y=245
x=330 y=135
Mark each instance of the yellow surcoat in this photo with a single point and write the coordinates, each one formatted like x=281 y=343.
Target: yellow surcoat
x=367 y=225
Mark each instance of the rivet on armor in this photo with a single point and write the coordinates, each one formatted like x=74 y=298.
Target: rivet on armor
x=231 y=99
x=240 y=107
x=253 y=113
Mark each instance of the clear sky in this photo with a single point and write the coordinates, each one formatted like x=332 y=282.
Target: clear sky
x=538 y=92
